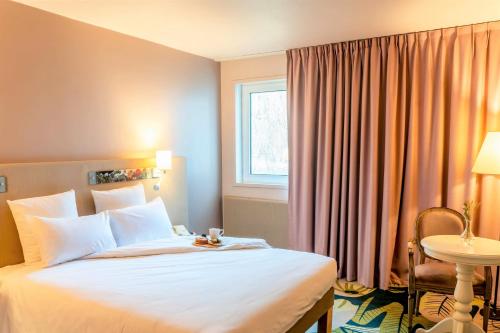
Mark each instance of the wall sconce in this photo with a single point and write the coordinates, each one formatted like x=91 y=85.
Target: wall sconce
x=163 y=163
x=164 y=160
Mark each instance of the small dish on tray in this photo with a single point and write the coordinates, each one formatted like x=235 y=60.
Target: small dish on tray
x=205 y=242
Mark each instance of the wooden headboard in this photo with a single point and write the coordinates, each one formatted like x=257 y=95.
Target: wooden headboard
x=25 y=180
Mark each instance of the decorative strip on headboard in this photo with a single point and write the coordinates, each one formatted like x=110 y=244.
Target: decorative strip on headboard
x=3 y=184
x=122 y=175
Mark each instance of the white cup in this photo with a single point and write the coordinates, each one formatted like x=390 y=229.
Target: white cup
x=215 y=233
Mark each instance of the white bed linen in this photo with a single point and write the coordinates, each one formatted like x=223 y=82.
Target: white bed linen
x=183 y=289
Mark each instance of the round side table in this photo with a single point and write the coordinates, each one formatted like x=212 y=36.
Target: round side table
x=451 y=248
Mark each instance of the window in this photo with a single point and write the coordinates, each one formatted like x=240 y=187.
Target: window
x=262 y=133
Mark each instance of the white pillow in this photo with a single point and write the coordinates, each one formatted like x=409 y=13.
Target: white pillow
x=63 y=239
x=57 y=205
x=140 y=223
x=119 y=198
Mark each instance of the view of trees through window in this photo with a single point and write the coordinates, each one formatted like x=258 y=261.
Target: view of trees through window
x=268 y=133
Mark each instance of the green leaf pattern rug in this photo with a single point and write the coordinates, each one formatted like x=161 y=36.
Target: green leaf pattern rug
x=361 y=309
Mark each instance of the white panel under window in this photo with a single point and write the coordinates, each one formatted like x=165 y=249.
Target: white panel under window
x=262 y=133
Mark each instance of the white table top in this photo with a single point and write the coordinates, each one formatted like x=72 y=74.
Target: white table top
x=452 y=248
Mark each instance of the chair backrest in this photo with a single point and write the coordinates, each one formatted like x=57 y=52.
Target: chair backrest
x=437 y=221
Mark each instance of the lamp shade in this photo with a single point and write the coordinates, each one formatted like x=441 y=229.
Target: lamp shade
x=488 y=159
x=164 y=159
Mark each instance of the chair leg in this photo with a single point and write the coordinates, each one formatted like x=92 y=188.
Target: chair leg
x=486 y=314
x=411 y=306
x=417 y=305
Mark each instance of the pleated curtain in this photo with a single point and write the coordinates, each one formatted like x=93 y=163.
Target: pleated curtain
x=383 y=128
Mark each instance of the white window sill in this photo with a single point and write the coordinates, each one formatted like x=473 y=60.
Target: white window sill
x=268 y=186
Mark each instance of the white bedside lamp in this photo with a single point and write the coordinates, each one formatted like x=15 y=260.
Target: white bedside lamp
x=163 y=163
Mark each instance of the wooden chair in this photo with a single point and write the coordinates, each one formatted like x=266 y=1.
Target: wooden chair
x=434 y=275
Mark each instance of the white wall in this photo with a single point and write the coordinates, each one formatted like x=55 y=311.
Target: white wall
x=73 y=91
x=232 y=73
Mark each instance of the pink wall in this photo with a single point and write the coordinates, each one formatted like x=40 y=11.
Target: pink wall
x=72 y=91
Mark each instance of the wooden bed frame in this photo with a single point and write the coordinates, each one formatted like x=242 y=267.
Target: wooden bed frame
x=321 y=312
x=26 y=180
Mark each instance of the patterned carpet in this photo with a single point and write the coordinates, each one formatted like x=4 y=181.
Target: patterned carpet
x=360 y=309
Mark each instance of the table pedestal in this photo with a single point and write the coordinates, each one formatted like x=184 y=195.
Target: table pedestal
x=461 y=321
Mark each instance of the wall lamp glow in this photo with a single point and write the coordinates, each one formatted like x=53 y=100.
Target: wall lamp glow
x=163 y=163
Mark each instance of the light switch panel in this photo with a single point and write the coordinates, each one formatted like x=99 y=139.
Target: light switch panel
x=3 y=184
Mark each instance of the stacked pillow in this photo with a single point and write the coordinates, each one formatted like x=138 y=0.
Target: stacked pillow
x=119 y=198
x=140 y=223
x=65 y=239
x=132 y=219
x=51 y=232
x=61 y=205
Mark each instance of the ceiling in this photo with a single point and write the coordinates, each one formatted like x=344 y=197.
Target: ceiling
x=228 y=29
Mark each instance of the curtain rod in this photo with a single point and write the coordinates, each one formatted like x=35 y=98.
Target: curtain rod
x=280 y=52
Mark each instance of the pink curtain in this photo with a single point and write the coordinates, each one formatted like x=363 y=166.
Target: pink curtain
x=383 y=128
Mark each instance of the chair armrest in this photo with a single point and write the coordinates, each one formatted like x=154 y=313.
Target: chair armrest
x=411 y=267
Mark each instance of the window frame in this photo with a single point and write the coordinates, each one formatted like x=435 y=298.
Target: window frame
x=243 y=92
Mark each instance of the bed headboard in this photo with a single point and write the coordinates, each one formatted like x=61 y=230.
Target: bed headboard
x=26 y=180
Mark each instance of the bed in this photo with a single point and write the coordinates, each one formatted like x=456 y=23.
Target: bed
x=165 y=285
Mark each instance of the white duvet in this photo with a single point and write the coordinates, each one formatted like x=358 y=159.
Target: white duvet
x=167 y=286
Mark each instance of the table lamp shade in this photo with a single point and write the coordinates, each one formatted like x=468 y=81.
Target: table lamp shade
x=488 y=159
